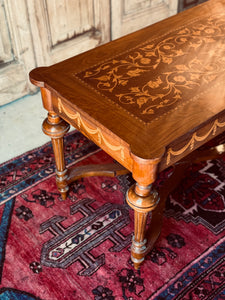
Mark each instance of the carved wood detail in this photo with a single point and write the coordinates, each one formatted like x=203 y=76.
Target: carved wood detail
x=56 y=128
x=143 y=200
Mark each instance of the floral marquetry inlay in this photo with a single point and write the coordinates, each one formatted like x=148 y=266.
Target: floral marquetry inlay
x=194 y=139
x=160 y=74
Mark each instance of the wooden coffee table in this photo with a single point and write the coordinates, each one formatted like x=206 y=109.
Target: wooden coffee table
x=148 y=99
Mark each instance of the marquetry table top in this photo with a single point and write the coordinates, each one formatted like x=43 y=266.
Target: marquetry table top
x=161 y=90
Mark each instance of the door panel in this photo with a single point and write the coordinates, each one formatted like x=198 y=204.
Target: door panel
x=69 y=19
x=5 y=39
x=131 y=15
x=16 y=51
x=67 y=27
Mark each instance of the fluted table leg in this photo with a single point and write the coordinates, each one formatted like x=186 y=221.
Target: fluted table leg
x=55 y=127
x=143 y=200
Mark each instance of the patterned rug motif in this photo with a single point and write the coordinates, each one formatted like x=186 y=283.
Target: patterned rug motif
x=202 y=200
x=79 y=248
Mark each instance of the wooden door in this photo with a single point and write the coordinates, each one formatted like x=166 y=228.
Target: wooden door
x=16 y=51
x=42 y=32
x=131 y=15
x=64 y=28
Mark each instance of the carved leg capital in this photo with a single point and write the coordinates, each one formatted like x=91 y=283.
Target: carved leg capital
x=56 y=128
x=143 y=200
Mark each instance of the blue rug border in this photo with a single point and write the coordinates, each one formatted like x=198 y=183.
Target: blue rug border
x=200 y=267
x=4 y=229
x=14 y=294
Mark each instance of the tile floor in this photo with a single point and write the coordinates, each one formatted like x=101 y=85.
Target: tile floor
x=20 y=125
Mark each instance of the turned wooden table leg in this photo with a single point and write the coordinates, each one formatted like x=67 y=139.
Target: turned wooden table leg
x=143 y=200
x=56 y=128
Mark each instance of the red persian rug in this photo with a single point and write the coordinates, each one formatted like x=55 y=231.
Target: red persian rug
x=79 y=248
